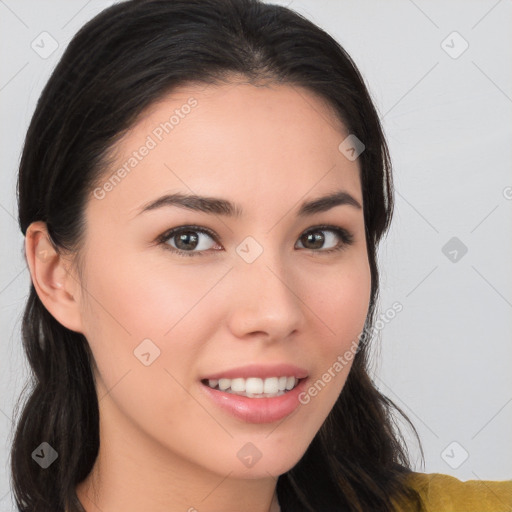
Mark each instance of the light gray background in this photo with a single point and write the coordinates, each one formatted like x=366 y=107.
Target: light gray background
x=446 y=358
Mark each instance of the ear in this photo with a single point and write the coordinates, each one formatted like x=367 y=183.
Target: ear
x=56 y=286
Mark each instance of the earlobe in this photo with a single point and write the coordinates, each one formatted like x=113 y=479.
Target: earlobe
x=56 y=286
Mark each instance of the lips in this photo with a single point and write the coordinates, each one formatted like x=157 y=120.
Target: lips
x=259 y=371
x=256 y=410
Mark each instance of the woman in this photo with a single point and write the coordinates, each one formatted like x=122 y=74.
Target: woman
x=203 y=187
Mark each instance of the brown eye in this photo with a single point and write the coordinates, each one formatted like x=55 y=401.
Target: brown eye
x=316 y=240
x=188 y=240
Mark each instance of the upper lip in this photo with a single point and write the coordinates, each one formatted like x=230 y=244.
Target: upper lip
x=261 y=371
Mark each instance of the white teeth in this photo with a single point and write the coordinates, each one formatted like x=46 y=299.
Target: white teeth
x=238 y=385
x=255 y=387
x=271 y=385
x=290 y=383
x=252 y=385
x=224 y=384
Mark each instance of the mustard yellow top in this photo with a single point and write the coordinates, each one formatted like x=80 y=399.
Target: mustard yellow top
x=445 y=493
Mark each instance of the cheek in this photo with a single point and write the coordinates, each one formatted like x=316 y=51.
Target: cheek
x=149 y=298
x=341 y=303
x=137 y=309
x=340 y=299
x=157 y=308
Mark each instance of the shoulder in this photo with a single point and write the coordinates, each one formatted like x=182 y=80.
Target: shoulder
x=445 y=493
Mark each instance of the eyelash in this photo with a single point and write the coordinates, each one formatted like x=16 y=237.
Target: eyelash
x=346 y=237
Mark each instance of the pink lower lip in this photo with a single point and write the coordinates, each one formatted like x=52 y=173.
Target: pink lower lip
x=257 y=410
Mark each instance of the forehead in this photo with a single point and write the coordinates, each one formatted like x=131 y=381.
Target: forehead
x=254 y=144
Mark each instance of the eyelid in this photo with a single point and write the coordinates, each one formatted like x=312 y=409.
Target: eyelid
x=344 y=234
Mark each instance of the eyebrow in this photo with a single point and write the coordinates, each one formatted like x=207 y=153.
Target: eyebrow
x=219 y=206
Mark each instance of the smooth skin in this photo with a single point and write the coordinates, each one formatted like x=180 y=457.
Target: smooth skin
x=164 y=445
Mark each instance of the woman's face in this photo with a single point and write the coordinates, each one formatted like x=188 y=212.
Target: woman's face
x=253 y=298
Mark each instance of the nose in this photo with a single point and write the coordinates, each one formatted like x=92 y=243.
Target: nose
x=266 y=300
